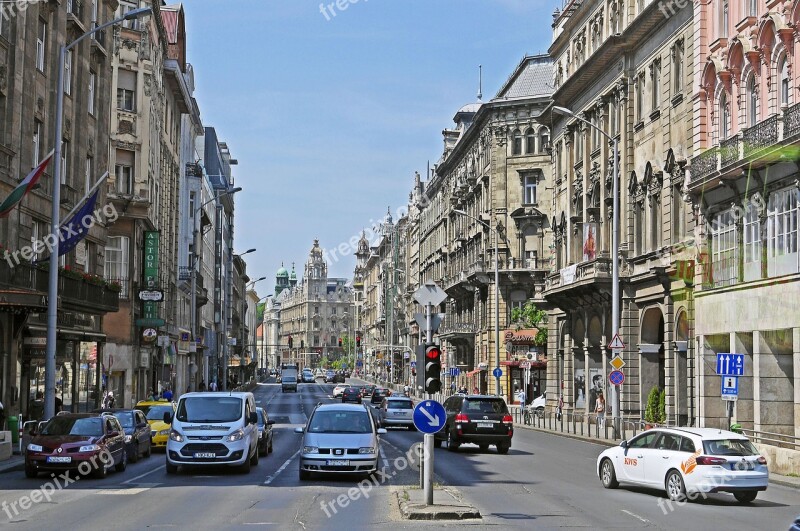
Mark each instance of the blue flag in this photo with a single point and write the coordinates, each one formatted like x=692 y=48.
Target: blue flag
x=78 y=226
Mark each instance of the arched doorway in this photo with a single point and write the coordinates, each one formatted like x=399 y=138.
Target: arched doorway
x=652 y=358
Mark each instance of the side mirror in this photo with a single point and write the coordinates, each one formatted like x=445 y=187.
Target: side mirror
x=253 y=418
x=624 y=444
x=381 y=431
x=167 y=418
x=298 y=430
x=270 y=422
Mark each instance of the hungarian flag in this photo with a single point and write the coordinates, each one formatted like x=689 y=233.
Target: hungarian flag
x=24 y=187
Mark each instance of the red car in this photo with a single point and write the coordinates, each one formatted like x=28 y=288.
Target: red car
x=88 y=442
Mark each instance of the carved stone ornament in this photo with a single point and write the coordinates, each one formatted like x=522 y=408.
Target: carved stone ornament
x=3 y=78
x=40 y=104
x=148 y=83
x=125 y=127
x=501 y=135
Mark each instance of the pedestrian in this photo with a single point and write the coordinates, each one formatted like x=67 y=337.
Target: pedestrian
x=59 y=405
x=167 y=394
x=212 y=386
x=521 y=398
x=452 y=387
x=600 y=408
x=36 y=409
x=202 y=386
x=475 y=390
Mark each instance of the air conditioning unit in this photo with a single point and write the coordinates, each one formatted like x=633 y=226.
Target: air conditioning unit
x=530 y=356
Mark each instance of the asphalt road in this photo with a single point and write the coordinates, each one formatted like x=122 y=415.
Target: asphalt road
x=545 y=482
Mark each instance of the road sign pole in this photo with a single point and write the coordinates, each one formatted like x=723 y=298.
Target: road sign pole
x=428 y=464
x=729 y=408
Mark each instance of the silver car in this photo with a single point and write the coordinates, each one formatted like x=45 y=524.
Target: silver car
x=339 y=438
x=396 y=411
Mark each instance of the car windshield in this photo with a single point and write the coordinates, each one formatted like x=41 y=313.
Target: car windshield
x=729 y=447
x=289 y=379
x=125 y=418
x=92 y=426
x=340 y=422
x=483 y=405
x=157 y=412
x=209 y=409
x=399 y=404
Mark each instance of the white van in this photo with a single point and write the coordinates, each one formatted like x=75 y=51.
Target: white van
x=211 y=429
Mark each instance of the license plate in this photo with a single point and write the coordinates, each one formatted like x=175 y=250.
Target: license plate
x=743 y=465
x=203 y=455
x=399 y=413
x=59 y=459
x=337 y=462
x=485 y=425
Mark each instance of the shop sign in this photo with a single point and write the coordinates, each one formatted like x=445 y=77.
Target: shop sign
x=526 y=336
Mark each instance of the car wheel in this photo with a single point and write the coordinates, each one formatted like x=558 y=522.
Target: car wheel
x=745 y=496
x=149 y=451
x=135 y=453
x=254 y=458
x=676 y=490
x=31 y=471
x=244 y=468
x=100 y=470
x=452 y=445
x=123 y=464
x=304 y=475
x=269 y=449
x=539 y=412
x=608 y=475
x=171 y=469
x=503 y=448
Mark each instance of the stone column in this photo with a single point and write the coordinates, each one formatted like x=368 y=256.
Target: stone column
x=796 y=365
x=757 y=353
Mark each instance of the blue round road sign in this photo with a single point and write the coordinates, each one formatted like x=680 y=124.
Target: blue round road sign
x=616 y=377
x=497 y=372
x=429 y=416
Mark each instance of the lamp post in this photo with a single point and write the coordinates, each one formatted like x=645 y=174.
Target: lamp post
x=195 y=257
x=496 y=294
x=52 y=289
x=228 y=306
x=615 y=412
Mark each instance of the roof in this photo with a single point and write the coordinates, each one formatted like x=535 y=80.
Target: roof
x=342 y=407
x=532 y=77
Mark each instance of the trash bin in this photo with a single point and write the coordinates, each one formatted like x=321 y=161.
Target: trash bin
x=736 y=428
x=13 y=427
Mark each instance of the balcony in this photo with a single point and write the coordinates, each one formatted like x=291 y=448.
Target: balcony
x=578 y=285
x=452 y=329
x=761 y=135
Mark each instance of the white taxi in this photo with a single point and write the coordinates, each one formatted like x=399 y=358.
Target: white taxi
x=687 y=463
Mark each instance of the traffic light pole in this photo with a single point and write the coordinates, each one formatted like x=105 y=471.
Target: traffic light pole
x=428 y=437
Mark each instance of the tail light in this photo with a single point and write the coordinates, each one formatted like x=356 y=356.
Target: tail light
x=706 y=460
x=762 y=460
x=462 y=418
x=508 y=419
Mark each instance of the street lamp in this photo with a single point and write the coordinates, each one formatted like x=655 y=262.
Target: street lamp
x=615 y=412
x=496 y=295
x=52 y=289
x=195 y=257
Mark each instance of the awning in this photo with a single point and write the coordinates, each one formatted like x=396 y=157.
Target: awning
x=72 y=333
x=14 y=299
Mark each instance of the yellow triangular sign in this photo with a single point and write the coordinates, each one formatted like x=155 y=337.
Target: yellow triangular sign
x=616 y=343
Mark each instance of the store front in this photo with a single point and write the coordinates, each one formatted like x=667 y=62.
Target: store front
x=526 y=365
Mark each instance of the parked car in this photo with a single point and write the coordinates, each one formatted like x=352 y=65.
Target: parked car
x=264 y=432
x=538 y=404
x=351 y=394
x=339 y=438
x=378 y=395
x=477 y=419
x=338 y=390
x=69 y=440
x=137 y=432
x=687 y=460
x=154 y=413
x=396 y=411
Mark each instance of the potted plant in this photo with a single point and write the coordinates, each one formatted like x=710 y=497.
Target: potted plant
x=652 y=410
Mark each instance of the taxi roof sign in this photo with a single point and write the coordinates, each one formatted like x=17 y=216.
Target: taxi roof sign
x=616 y=343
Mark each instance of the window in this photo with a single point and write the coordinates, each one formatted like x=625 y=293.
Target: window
x=752 y=101
x=678 y=214
x=124 y=7
x=643 y=441
x=95 y=19
x=530 y=141
x=68 y=73
x=655 y=221
x=677 y=68
x=724 y=254
x=544 y=139
x=578 y=146
x=191 y=205
x=783 y=69
x=126 y=90
x=723 y=18
x=655 y=92
x=516 y=144
x=595 y=131
x=782 y=216
x=37 y=139
x=751 y=7
x=724 y=116
x=64 y=165
x=38 y=232
x=123 y=170
x=529 y=191
x=612 y=117
x=638 y=214
x=752 y=244
x=91 y=92
x=116 y=264
x=639 y=98
x=41 y=40
x=88 y=177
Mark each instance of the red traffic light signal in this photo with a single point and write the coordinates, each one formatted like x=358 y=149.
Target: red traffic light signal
x=340 y=342
x=433 y=368
x=432 y=352
x=358 y=341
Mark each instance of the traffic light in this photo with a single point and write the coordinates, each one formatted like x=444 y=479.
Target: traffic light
x=302 y=344
x=433 y=368
x=290 y=341
x=358 y=341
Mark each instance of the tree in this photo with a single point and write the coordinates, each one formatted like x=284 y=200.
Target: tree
x=662 y=407
x=529 y=316
x=652 y=411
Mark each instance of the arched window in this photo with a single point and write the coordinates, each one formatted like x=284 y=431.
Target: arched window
x=544 y=139
x=516 y=144
x=530 y=141
x=752 y=101
x=724 y=116
x=783 y=72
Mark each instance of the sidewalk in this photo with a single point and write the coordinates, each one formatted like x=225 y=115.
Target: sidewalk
x=17 y=462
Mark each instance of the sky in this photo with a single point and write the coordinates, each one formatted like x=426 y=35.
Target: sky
x=330 y=114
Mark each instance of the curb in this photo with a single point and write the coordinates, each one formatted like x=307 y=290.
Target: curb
x=415 y=511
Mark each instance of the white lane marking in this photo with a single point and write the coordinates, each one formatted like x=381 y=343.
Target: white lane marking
x=143 y=475
x=281 y=469
x=645 y=520
x=383 y=457
x=122 y=492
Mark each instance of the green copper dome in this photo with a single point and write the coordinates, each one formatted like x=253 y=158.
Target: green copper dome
x=282 y=273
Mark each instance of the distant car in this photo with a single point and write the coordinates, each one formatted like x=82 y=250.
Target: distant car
x=378 y=395
x=476 y=419
x=308 y=377
x=338 y=390
x=339 y=438
x=367 y=390
x=154 y=413
x=338 y=378
x=69 y=440
x=351 y=394
x=288 y=383
x=687 y=460
x=137 y=432
x=329 y=376
x=396 y=411
x=264 y=432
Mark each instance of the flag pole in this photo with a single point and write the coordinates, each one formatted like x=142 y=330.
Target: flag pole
x=88 y=194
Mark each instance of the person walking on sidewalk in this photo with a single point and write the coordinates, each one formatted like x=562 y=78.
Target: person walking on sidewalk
x=600 y=408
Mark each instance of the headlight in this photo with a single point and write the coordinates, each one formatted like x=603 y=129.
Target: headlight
x=128 y=438
x=238 y=435
x=34 y=448
x=310 y=450
x=366 y=450
x=175 y=436
x=164 y=432
x=89 y=448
